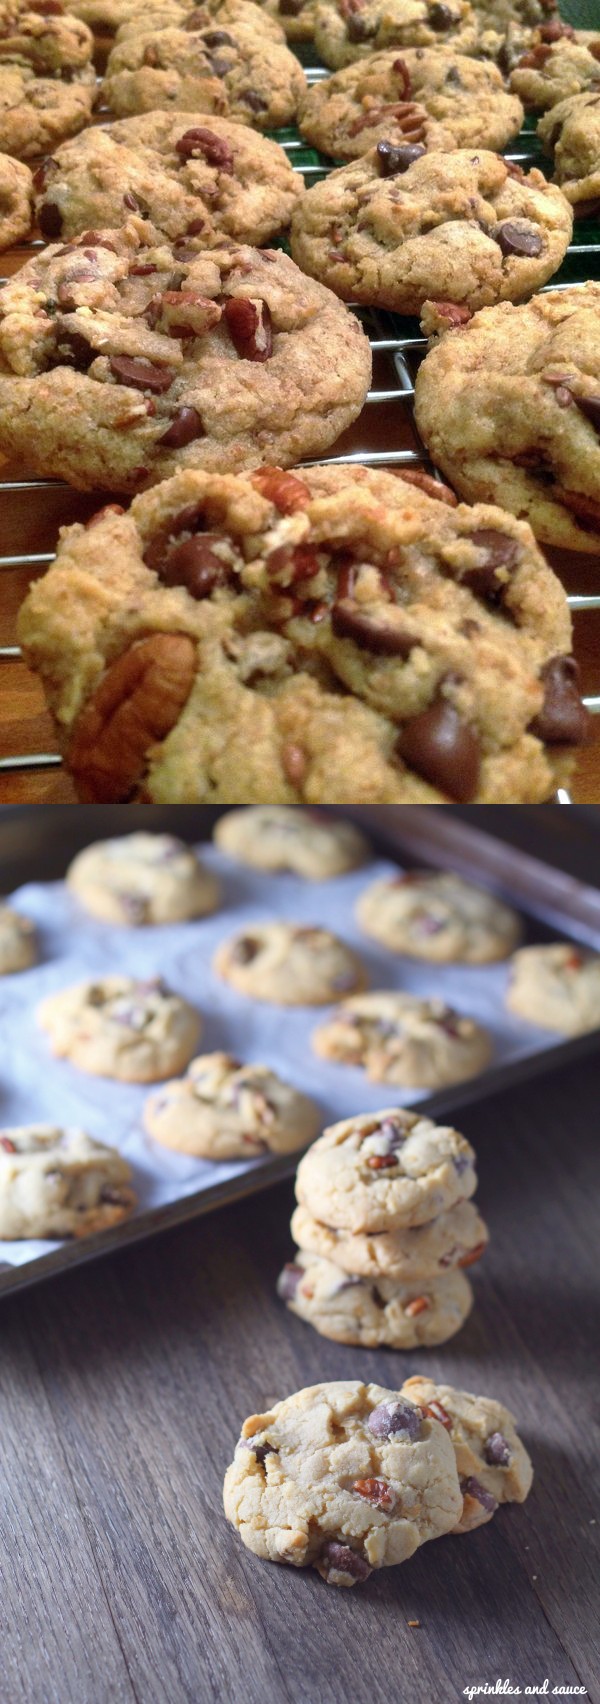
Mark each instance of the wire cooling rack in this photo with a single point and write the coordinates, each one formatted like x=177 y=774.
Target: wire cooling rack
x=387 y=433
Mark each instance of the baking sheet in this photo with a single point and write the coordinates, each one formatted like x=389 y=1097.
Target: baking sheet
x=35 y=1087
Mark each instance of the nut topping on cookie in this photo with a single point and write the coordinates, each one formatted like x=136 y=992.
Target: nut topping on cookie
x=377 y=1492
x=249 y=326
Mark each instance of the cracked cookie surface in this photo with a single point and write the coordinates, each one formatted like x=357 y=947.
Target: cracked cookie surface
x=435 y=915
x=457 y=1237
x=280 y=839
x=426 y=95
x=236 y=73
x=385 y=1171
x=556 y=986
x=60 y=1183
x=404 y=1039
x=385 y=1315
x=224 y=1110
x=142 y=878
x=120 y=1027
x=289 y=964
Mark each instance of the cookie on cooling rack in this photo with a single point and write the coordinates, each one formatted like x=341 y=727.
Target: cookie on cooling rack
x=346 y=30
x=237 y=639
x=427 y=96
x=238 y=73
x=47 y=81
x=571 y=132
x=553 y=68
x=120 y=18
x=458 y=227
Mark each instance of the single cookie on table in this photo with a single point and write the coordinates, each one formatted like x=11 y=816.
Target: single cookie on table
x=224 y=1110
x=242 y=74
x=136 y=1032
x=187 y=174
x=51 y=43
x=16 y=201
x=384 y=1171
x=142 y=878
x=555 y=68
x=556 y=986
x=435 y=915
x=493 y=1465
x=37 y=112
x=385 y=1315
x=428 y=95
x=404 y=1039
x=392 y=230
x=272 y=838
x=458 y=1237
x=167 y=355
x=199 y=678
x=289 y=964
x=570 y=131
x=60 y=1183
x=345 y=30
x=519 y=421
x=18 y=947
x=342 y=1477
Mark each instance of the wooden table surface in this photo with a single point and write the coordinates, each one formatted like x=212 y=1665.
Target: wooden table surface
x=123 y=1387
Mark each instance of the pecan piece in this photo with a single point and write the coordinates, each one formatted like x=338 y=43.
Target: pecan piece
x=377 y=1492
x=248 y=321
x=136 y=704
x=212 y=148
x=418 y=1306
x=426 y=482
x=285 y=490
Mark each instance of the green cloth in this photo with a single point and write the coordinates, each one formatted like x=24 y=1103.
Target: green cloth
x=584 y=14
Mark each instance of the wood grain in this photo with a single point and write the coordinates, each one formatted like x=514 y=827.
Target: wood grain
x=124 y=1384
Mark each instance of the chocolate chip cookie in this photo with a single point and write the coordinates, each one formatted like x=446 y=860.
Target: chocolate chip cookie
x=60 y=1183
x=520 y=421
x=295 y=637
x=571 y=132
x=142 y=878
x=392 y=229
x=16 y=200
x=383 y=1171
x=500 y=14
x=342 y=1477
x=235 y=73
x=189 y=175
x=557 y=987
x=385 y=1315
x=458 y=1237
x=136 y=1032
x=400 y=1038
x=272 y=838
x=553 y=69
x=346 y=30
x=50 y=43
x=132 y=17
x=223 y=1110
x=289 y=964
x=123 y=356
x=428 y=96
x=37 y=112
x=493 y=1465
x=18 y=949
x=437 y=916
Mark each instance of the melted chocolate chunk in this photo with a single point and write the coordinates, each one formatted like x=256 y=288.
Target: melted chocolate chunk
x=50 y=220
x=391 y=160
x=513 y=240
x=382 y=639
x=590 y=406
x=195 y=565
x=141 y=375
x=441 y=17
x=359 y=29
x=563 y=719
x=501 y=552
x=186 y=425
x=443 y=748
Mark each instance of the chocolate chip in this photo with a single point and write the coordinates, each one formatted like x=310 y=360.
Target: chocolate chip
x=261 y=1451
x=392 y=1418
x=341 y=1559
x=359 y=29
x=288 y=1281
x=73 y=350
x=50 y=220
x=186 y=425
x=512 y=239
x=244 y=951
x=348 y=622
x=441 y=17
x=218 y=38
x=496 y=1450
x=501 y=552
x=587 y=209
x=251 y=98
x=443 y=748
x=134 y=204
x=195 y=565
x=453 y=77
x=391 y=160
x=473 y=1488
x=590 y=406
x=563 y=718
x=48 y=167
x=290 y=8
x=141 y=375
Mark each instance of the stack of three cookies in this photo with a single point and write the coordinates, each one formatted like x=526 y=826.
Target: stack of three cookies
x=385 y=1224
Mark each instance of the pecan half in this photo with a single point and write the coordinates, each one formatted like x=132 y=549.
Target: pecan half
x=136 y=704
x=285 y=490
x=248 y=321
x=212 y=148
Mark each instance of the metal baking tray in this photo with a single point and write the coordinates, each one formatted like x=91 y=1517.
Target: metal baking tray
x=550 y=902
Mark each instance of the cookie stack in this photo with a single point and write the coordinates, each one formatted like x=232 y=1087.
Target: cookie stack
x=385 y=1225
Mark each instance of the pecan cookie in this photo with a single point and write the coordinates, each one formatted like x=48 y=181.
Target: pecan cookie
x=60 y=1183
x=342 y=1477
x=16 y=201
x=142 y=878
x=272 y=838
x=493 y=1465
x=571 y=132
x=459 y=227
x=298 y=637
x=346 y=30
x=236 y=73
x=458 y=1237
x=437 y=916
x=383 y=1171
x=122 y=357
x=385 y=1315
x=292 y=965
x=557 y=987
x=18 y=948
x=554 y=68
x=223 y=1110
x=51 y=43
x=189 y=175
x=429 y=96
x=500 y=14
x=136 y=1032
x=37 y=112
x=520 y=422
x=133 y=16
x=401 y=1038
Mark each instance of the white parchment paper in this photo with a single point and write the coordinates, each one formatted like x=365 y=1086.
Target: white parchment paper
x=36 y=1088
